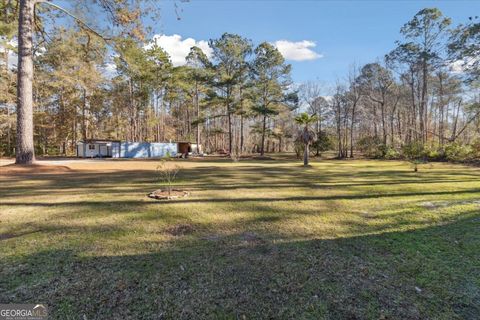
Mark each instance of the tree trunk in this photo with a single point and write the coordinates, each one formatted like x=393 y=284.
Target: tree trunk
x=242 y=139
x=317 y=145
x=9 y=129
x=25 y=153
x=242 y=142
x=230 y=133
x=264 y=127
x=441 y=124
x=84 y=116
x=197 y=104
x=339 y=138
x=305 y=154
x=384 y=127
x=392 y=127
x=423 y=102
x=229 y=115
x=414 y=107
x=352 y=124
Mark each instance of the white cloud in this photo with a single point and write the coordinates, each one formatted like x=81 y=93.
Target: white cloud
x=109 y=70
x=12 y=56
x=461 y=66
x=457 y=67
x=110 y=67
x=297 y=51
x=178 y=48
x=12 y=59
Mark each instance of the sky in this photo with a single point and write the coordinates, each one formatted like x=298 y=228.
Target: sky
x=321 y=39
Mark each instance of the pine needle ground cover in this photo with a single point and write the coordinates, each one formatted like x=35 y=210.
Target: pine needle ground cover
x=255 y=239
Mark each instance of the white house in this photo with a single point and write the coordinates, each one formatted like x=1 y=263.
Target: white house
x=122 y=149
x=96 y=148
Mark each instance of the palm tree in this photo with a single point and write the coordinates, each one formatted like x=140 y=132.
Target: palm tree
x=306 y=136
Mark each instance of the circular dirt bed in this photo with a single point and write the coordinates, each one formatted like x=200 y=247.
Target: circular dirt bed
x=163 y=194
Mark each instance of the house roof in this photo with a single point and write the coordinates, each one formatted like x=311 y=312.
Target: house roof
x=98 y=141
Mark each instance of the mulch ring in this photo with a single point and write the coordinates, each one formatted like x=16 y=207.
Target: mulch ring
x=164 y=194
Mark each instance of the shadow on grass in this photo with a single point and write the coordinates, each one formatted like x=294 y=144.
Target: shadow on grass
x=431 y=272
x=425 y=273
x=212 y=178
x=128 y=204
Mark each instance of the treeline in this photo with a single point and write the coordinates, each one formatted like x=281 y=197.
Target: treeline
x=225 y=103
x=236 y=101
x=422 y=96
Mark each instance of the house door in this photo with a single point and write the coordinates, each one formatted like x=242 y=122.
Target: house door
x=103 y=152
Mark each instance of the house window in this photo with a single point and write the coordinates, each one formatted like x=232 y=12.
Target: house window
x=91 y=147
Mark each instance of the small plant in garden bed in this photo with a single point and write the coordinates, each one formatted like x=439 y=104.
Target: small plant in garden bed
x=167 y=173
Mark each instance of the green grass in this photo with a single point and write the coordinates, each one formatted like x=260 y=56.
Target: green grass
x=267 y=239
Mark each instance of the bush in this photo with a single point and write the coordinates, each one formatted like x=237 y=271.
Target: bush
x=476 y=149
x=298 y=147
x=371 y=147
x=434 y=153
x=323 y=143
x=413 y=151
x=390 y=153
x=457 y=152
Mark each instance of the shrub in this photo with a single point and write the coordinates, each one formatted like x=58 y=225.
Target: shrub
x=414 y=153
x=323 y=143
x=371 y=146
x=458 y=152
x=476 y=149
x=434 y=153
x=298 y=147
x=390 y=153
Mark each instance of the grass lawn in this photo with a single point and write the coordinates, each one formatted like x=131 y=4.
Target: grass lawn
x=254 y=240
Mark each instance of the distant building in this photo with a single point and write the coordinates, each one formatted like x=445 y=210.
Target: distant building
x=100 y=148
x=94 y=148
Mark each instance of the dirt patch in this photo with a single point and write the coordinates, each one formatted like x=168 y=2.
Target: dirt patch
x=163 y=194
x=442 y=204
x=212 y=237
x=180 y=229
x=251 y=237
x=14 y=169
x=5 y=236
x=367 y=215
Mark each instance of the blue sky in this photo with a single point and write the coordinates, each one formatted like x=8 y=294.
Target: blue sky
x=344 y=32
